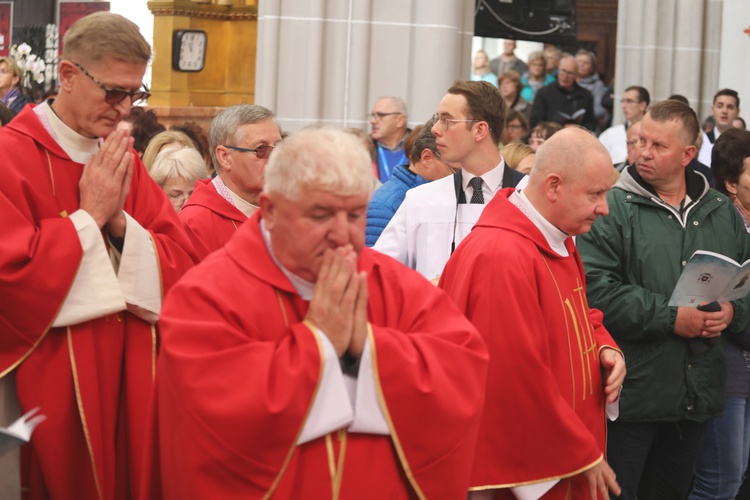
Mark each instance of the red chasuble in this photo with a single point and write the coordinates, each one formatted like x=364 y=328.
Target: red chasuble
x=239 y=369
x=544 y=416
x=210 y=220
x=93 y=380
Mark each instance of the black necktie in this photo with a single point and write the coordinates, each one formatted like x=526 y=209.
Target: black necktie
x=477 y=196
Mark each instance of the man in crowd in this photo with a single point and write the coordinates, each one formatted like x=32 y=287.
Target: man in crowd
x=90 y=245
x=541 y=330
x=660 y=213
x=634 y=131
x=725 y=109
x=507 y=60
x=241 y=139
x=388 y=122
x=330 y=370
x=425 y=165
x=634 y=101
x=435 y=217
x=565 y=100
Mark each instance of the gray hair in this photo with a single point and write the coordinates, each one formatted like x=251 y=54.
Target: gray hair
x=400 y=103
x=185 y=162
x=225 y=127
x=323 y=158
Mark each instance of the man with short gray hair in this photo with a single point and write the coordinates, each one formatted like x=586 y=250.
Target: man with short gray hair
x=388 y=122
x=294 y=346
x=241 y=139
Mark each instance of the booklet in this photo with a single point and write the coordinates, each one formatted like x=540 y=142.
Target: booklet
x=710 y=276
x=19 y=432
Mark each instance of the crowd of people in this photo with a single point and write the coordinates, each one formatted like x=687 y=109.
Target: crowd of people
x=478 y=307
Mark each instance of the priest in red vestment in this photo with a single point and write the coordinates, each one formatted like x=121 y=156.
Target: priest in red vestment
x=89 y=246
x=519 y=279
x=241 y=139
x=296 y=363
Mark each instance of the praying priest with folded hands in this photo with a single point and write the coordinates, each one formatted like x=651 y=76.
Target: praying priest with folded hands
x=297 y=363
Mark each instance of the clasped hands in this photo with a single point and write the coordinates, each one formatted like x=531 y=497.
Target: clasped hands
x=694 y=323
x=339 y=302
x=105 y=182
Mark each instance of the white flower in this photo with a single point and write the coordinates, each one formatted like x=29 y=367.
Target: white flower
x=24 y=49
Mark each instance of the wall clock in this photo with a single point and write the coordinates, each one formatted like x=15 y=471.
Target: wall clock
x=189 y=50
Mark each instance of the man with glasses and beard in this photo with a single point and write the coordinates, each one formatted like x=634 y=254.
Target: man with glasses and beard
x=90 y=246
x=241 y=139
x=388 y=131
x=435 y=217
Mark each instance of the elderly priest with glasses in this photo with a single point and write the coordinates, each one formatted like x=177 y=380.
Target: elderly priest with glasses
x=90 y=244
x=241 y=139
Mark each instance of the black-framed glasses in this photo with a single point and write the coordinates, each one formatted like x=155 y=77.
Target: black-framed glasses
x=379 y=116
x=116 y=96
x=445 y=122
x=261 y=152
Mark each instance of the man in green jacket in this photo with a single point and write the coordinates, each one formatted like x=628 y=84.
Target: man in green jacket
x=660 y=213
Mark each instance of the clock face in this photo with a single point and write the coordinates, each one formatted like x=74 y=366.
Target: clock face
x=189 y=50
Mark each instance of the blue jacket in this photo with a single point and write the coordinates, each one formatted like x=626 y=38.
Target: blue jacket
x=386 y=200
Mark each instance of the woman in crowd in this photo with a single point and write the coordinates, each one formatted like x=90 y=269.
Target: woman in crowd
x=516 y=127
x=482 y=69
x=510 y=88
x=542 y=132
x=536 y=77
x=724 y=453
x=176 y=171
x=165 y=140
x=589 y=79
x=518 y=156
x=10 y=85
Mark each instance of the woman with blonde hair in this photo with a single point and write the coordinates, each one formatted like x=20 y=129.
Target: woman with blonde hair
x=481 y=69
x=176 y=171
x=518 y=156
x=166 y=139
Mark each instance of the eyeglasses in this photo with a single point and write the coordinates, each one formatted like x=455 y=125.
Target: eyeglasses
x=116 y=96
x=379 y=116
x=445 y=121
x=261 y=152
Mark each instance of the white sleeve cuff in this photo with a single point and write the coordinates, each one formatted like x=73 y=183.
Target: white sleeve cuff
x=94 y=292
x=331 y=410
x=139 y=274
x=368 y=416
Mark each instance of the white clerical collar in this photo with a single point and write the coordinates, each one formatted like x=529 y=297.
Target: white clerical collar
x=242 y=205
x=80 y=149
x=555 y=238
x=303 y=287
x=493 y=179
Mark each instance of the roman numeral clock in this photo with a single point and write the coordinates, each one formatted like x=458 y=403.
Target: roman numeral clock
x=189 y=50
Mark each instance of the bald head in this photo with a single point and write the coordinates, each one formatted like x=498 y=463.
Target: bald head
x=568 y=183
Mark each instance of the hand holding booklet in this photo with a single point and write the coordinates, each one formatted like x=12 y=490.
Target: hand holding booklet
x=709 y=277
x=19 y=432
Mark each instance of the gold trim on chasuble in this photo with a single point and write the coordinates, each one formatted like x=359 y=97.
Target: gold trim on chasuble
x=79 y=401
x=586 y=346
x=289 y=454
x=63 y=213
x=584 y=336
x=387 y=415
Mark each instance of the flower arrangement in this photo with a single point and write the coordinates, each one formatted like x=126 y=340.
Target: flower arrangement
x=32 y=67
